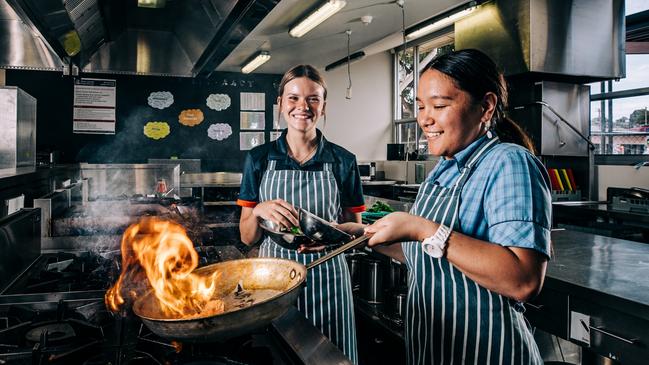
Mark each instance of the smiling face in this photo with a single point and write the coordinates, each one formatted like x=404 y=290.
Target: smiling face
x=448 y=116
x=302 y=104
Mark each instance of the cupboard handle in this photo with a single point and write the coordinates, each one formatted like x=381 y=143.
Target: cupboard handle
x=538 y=307
x=604 y=332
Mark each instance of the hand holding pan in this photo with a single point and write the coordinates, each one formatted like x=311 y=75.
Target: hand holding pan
x=286 y=239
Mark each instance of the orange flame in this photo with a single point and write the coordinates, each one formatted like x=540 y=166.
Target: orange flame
x=167 y=256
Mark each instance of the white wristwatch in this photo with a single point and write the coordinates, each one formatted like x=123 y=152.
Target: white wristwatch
x=435 y=245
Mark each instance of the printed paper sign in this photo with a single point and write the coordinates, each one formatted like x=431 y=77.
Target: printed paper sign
x=253 y=101
x=218 y=102
x=94 y=106
x=219 y=131
x=157 y=130
x=190 y=117
x=249 y=140
x=252 y=120
x=160 y=99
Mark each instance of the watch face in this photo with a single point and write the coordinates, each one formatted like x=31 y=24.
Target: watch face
x=433 y=247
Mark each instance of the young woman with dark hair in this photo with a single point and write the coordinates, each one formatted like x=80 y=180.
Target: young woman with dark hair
x=477 y=239
x=302 y=169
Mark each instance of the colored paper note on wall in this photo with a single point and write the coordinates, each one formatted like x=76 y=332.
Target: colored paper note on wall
x=160 y=99
x=219 y=131
x=191 y=117
x=157 y=130
x=218 y=102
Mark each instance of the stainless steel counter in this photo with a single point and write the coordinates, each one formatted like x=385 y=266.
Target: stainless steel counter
x=97 y=243
x=596 y=294
x=599 y=209
x=210 y=179
x=378 y=182
x=608 y=270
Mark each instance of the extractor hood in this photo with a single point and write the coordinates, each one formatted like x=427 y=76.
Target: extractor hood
x=184 y=38
x=22 y=45
x=563 y=40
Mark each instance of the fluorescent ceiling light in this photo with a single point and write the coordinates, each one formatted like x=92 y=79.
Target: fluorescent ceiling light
x=151 y=3
x=255 y=62
x=325 y=10
x=441 y=22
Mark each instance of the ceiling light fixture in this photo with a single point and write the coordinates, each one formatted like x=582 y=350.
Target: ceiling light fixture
x=322 y=13
x=443 y=20
x=256 y=61
x=151 y=3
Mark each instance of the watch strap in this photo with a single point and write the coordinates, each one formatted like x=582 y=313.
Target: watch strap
x=435 y=245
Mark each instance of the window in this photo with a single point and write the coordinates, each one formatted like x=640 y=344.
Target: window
x=406 y=130
x=619 y=116
x=406 y=83
x=620 y=126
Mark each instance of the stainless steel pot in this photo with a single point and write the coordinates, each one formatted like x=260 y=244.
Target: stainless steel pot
x=354 y=263
x=398 y=306
x=371 y=285
x=396 y=275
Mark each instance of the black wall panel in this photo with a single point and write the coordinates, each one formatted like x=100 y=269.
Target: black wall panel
x=54 y=93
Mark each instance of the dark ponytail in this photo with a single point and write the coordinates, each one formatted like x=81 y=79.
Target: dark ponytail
x=475 y=73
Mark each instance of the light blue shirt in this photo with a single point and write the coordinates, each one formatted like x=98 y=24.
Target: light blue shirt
x=506 y=199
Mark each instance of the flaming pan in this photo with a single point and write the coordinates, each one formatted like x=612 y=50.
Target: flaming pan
x=255 y=291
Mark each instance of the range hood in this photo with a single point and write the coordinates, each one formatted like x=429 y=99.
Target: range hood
x=187 y=38
x=22 y=45
x=563 y=40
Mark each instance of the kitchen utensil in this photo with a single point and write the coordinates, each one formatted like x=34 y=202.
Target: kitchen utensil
x=371 y=289
x=398 y=305
x=354 y=264
x=319 y=230
x=638 y=193
x=285 y=239
x=395 y=275
x=273 y=284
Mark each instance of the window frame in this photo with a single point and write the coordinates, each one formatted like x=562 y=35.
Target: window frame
x=440 y=38
x=607 y=97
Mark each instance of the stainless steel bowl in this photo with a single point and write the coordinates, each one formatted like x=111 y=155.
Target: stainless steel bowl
x=285 y=239
x=320 y=230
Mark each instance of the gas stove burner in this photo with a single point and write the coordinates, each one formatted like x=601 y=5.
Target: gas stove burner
x=165 y=201
x=55 y=332
x=218 y=361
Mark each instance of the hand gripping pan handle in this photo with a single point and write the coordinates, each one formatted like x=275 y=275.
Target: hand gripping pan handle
x=347 y=246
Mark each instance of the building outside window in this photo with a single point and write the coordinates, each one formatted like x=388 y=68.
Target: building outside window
x=619 y=110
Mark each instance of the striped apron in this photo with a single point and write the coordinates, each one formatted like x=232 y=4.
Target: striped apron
x=327 y=298
x=450 y=319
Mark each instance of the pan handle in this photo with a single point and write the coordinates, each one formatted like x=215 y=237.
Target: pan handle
x=347 y=246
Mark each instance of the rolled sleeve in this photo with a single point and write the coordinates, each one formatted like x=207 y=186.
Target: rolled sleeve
x=352 y=190
x=518 y=203
x=249 y=191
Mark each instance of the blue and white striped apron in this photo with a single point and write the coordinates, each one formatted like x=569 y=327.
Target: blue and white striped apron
x=327 y=298
x=450 y=319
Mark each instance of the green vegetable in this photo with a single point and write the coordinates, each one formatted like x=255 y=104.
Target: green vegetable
x=380 y=206
x=296 y=230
